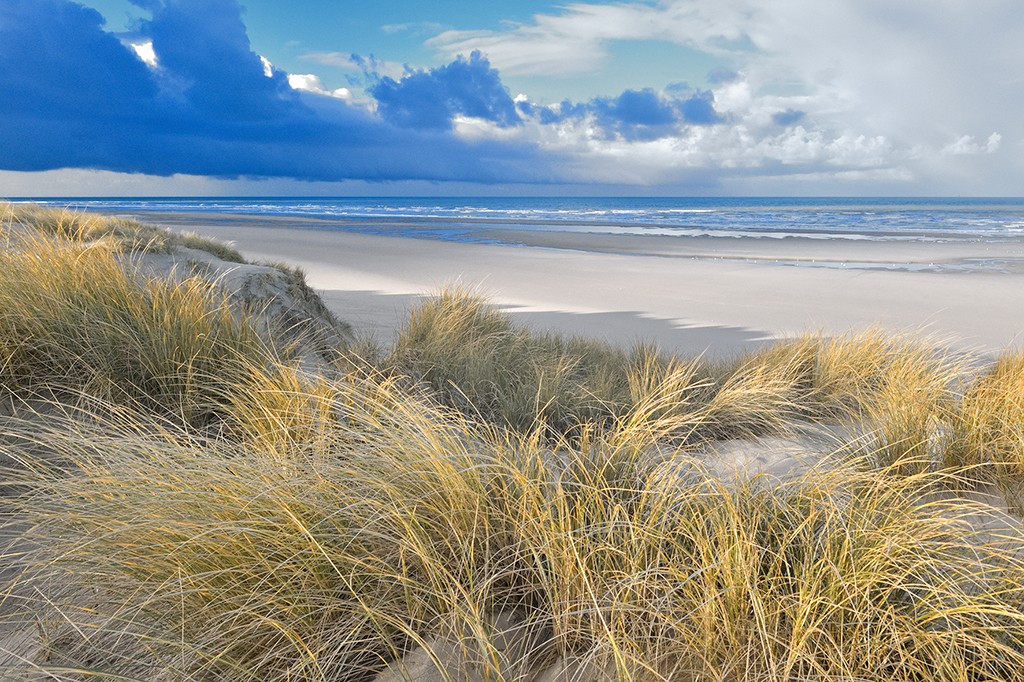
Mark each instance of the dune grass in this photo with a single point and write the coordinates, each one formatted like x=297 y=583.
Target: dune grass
x=125 y=234
x=987 y=432
x=477 y=360
x=184 y=503
x=157 y=552
x=78 y=321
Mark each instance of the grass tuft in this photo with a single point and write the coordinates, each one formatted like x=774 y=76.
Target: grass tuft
x=477 y=360
x=987 y=434
x=77 y=321
x=123 y=234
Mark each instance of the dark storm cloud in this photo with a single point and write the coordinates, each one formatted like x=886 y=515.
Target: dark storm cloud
x=76 y=96
x=638 y=115
x=430 y=99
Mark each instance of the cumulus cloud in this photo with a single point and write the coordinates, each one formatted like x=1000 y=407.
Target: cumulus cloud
x=207 y=106
x=853 y=92
x=908 y=72
x=310 y=82
x=633 y=115
x=431 y=99
x=966 y=144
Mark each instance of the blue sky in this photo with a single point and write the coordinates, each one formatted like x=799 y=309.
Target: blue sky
x=705 y=97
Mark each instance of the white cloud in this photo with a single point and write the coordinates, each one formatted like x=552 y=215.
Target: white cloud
x=721 y=151
x=576 y=40
x=268 y=68
x=309 y=82
x=418 y=27
x=966 y=144
x=348 y=62
x=145 y=52
x=473 y=128
x=883 y=87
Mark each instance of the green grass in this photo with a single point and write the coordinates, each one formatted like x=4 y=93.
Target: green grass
x=186 y=503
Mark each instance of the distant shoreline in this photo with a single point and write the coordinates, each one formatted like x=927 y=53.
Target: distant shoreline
x=458 y=218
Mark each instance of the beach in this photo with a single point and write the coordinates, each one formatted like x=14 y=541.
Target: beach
x=689 y=294
x=199 y=456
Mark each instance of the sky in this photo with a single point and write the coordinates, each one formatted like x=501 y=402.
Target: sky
x=405 y=97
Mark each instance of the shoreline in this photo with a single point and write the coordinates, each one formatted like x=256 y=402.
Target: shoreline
x=691 y=295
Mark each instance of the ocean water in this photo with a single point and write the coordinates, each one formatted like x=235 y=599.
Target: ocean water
x=470 y=219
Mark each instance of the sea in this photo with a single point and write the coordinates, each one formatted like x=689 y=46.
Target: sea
x=472 y=218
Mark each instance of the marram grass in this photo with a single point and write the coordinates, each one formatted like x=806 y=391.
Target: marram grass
x=155 y=555
x=79 y=321
x=476 y=359
x=987 y=431
x=122 y=234
x=182 y=502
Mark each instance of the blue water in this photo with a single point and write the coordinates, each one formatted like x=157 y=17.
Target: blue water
x=913 y=219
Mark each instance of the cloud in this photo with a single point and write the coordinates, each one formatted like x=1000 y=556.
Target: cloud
x=576 y=40
x=431 y=99
x=633 y=115
x=966 y=144
x=858 y=92
x=145 y=52
x=370 y=67
x=77 y=97
x=916 y=73
x=207 y=105
x=722 y=75
x=310 y=82
x=642 y=108
x=205 y=58
x=415 y=27
x=54 y=54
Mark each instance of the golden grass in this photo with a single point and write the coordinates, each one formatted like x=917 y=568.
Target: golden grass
x=124 y=234
x=477 y=360
x=157 y=554
x=183 y=503
x=77 y=320
x=987 y=432
x=893 y=396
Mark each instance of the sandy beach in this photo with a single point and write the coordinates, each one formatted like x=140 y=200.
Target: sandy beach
x=688 y=294
x=478 y=502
